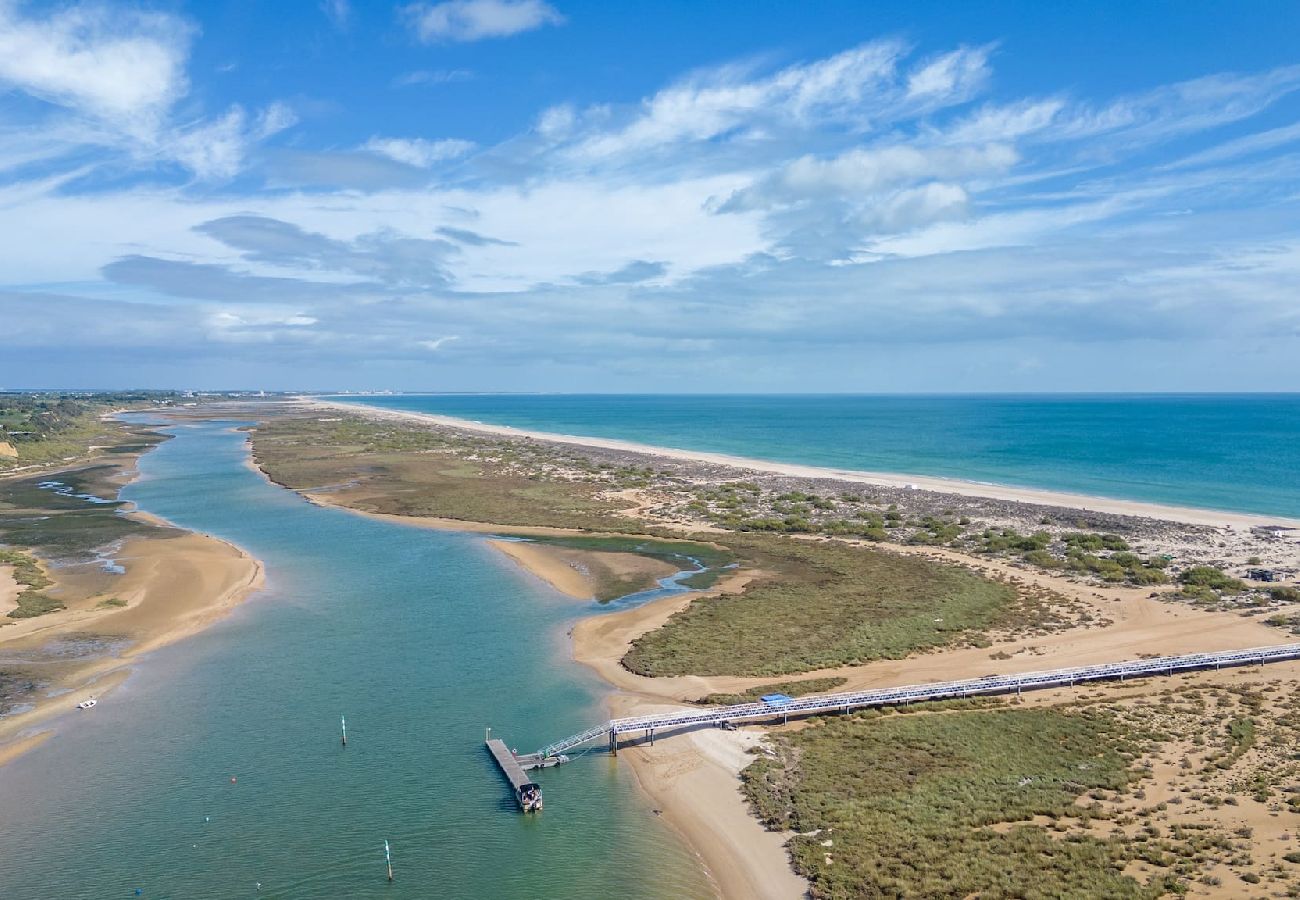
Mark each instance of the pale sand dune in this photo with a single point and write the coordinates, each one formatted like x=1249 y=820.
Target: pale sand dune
x=548 y=567
x=1187 y=515
x=9 y=590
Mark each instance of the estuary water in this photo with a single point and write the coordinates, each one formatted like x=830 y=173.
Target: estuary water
x=1216 y=451
x=421 y=638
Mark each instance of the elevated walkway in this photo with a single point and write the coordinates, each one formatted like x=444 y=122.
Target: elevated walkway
x=817 y=704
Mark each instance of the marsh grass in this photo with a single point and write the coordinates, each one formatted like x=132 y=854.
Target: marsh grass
x=28 y=573
x=424 y=473
x=823 y=604
x=900 y=806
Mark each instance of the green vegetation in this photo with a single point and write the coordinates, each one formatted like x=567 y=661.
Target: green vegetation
x=825 y=604
x=1092 y=542
x=901 y=805
x=1212 y=578
x=816 y=604
x=57 y=523
x=28 y=573
x=1120 y=566
x=1000 y=540
x=111 y=603
x=66 y=516
x=408 y=470
x=1206 y=585
x=789 y=688
x=51 y=427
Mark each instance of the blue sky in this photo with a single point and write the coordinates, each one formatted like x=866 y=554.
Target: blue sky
x=529 y=195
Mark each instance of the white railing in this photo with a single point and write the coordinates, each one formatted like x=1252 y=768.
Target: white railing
x=971 y=687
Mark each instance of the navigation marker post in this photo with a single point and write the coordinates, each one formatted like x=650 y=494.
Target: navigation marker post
x=343 y=722
x=388 y=858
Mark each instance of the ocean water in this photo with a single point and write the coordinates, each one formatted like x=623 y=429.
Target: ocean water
x=422 y=639
x=1227 y=452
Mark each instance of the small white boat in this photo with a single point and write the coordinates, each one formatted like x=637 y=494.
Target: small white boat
x=87 y=704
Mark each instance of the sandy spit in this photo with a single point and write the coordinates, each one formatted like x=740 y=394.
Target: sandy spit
x=173 y=588
x=1186 y=515
x=546 y=566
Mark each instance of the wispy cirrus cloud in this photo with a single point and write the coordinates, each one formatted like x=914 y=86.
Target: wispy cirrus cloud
x=432 y=76
x=417 y=151
x=475 y=20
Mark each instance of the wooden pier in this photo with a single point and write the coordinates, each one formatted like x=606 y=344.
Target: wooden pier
x=528 y=794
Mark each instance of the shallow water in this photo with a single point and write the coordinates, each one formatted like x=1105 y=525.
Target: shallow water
x=1236 y=452
x=421 y=638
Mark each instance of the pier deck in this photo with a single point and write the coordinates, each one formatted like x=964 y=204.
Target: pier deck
x=528 y=794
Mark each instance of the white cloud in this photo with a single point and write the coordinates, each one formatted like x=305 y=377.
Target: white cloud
x=122 y=66
x=120 y=72
x=212 y=149
x=557 y=122
x=1243 y=146
x=436 y=345
x=416 y=151
x=839 y=88
x=474 y=20
x=432 y=76
x=961 y=72
x=1004 y=123
x=339 y=12
x=861 y=173
x=274 y=119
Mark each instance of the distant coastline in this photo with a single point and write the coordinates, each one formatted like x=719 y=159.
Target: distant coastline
x=1117 y=506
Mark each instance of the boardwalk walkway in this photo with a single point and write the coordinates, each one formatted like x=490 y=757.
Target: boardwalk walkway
x=992 y=684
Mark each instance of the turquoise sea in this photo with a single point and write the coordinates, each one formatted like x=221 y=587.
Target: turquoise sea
x=1216 y=451
x=422 y=639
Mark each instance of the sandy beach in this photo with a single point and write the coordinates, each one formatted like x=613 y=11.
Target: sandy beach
x=171 y=588
x=1181 y=514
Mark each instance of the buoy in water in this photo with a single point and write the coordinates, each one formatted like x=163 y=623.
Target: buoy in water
x=232 y=779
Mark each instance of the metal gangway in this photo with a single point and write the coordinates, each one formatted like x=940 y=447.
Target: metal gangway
x=815 y=704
